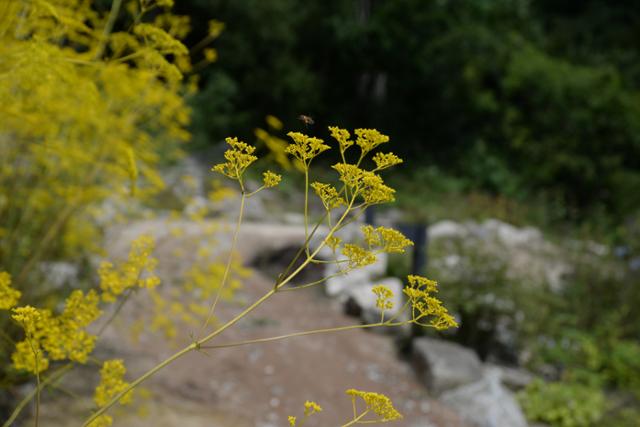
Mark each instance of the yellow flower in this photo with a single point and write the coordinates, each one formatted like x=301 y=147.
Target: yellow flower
x=328 y=195
x=273 y=122
x=112 y=383
x=384 y=296
x=136 y=271
x=215 y=28
x=386 y=160
x=425 y=306
x=358 y=256
x=342 y=136
x=210 y=55
x=102 y=421
x=238 y=158
x=292 y=421
x=368 y=139
x=311 y=408
x=377 y=403
x=271 y=179
x=305 y=148
x=388 y=239
x=8 y=296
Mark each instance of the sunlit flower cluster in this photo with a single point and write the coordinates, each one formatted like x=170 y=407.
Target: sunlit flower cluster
x=424 y=306
x=137 y=271
x=238 y=158
x=8 y=296
x=387 y=239
x=328 y=195
x=112 y=383
x=305 y=148
x=377 y=403
x=357 y=255
x=384 y=297
x=56 y=337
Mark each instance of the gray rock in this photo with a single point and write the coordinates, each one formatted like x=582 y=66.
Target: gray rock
x=364 y=299
x=486 y=403
x=514 y=379
x=442 y=365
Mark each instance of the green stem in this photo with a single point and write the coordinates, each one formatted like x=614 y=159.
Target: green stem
x=303 y=333
x=108 y=28
x=356 y=420
x=25 y=401
x=228 y=265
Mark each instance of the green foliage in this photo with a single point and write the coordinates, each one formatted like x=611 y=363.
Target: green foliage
x=518 y=98
x=562 y=404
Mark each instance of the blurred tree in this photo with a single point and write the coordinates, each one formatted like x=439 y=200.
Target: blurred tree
x=517 y=97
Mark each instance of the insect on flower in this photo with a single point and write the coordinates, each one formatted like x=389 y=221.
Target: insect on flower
x=308 y=121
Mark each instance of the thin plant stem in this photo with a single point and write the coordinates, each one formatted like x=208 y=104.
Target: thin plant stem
x=306 y=208
x=25 y=401
x=228 y=265
x=111 y=20
x=302 y=334
x=356 y=420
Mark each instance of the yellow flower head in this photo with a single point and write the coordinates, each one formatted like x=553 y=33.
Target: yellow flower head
x=273 y=122
x=377 y=403
x=384 y=296
x=215 y=28
x=328 y=195
x=342 y=136
x=292 y=421
x=425 y=306
x=8 y=296
x=271 y=179
x=358 y=256
x=367 y=184
x=112 y=383
x=305 y=148
x=388 y=239
x=368 y=139
x=238 y=158
x=311 y=408
x=210 y=55
x=386 y=160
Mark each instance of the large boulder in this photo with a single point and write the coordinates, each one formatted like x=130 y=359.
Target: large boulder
x=486 y=403
x=443 y=365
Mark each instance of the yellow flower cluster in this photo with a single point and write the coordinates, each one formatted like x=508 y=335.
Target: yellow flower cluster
x=388 y=239
x=305 y=148
x=377 y=403
x=84 y=102
x=56 y=337
x=384 y=296
x=358 y=256
x=328 y=195
x=137 y=271
x=238 y=158
x=8 y=296
x=111 y=383
x=310 y=408
x=271 y=179
x=386 y=160
x=425 y=306
x=342 y=136
x=369 y=139
x=367 y=184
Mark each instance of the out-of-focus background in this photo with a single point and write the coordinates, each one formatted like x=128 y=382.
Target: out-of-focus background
x=519 y=124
